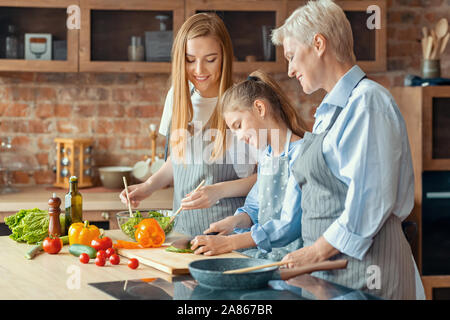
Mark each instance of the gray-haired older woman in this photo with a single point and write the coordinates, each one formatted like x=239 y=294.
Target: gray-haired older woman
x=355 y=169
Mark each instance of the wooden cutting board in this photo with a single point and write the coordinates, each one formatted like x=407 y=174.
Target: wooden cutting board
x=170 y=262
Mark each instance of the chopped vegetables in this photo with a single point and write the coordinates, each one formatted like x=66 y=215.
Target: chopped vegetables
x=128 y=227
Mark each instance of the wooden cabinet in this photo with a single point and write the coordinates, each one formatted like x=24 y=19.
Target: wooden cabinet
x=369 y=44
x=101 y=43
x=107 y=28
x=30 y=16
x=426 y=111
x=249 y=23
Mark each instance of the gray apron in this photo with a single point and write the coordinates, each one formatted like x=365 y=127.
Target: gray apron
x=273 y=178
x=323 y=201
x=187 y=176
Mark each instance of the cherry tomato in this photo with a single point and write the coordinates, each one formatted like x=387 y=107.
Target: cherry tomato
x=102 y=254
x=99 y=261
x=133 y=263
x=114 y=259
x=101 y=243
x=52 y=245
x=84 y=258
x=110 y=252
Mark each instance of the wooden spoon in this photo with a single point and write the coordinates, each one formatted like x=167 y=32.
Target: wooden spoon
x=444 y=44
x=128 y=196
x=429 y=47
x=441 y=28
x=319 y=266
x=180 y=208
x=425 y=32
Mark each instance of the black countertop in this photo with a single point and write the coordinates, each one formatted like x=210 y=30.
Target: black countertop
x=305 y=287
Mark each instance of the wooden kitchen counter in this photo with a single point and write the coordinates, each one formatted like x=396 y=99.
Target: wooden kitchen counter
x=37 y=197
x=97 y=206
x=49 y=276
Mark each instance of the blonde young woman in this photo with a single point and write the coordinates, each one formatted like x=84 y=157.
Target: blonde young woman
x=202 y=58
x=268 y=225
x=355 y=169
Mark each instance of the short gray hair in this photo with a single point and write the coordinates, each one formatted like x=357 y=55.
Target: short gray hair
x=319 y=16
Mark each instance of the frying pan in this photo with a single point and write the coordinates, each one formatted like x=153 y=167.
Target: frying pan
x=209 y=272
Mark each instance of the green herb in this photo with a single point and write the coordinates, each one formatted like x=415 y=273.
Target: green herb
x=129 y=229
x=30 y=226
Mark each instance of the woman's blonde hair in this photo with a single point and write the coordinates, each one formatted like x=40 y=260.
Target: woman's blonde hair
x=324 y=17
x=259 y=85
x=198 y=25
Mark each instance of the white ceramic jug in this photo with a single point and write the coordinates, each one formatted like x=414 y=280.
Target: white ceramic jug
x=142 y=170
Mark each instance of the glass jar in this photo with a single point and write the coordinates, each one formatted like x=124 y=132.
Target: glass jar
x=136 y=49
x=12 y=43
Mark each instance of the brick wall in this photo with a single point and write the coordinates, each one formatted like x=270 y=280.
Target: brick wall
x=116 y=109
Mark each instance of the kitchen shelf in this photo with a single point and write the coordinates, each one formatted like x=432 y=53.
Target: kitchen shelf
x=369 y=45
x=38 y=17
x=427 y=116
x=108 y=26
x=244 y=20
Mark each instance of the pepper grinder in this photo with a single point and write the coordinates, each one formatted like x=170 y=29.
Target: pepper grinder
x=54 y=225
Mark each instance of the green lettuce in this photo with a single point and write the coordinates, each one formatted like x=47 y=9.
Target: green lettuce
x=30 y=225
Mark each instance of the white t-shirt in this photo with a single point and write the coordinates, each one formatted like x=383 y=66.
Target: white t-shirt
x=203 y=109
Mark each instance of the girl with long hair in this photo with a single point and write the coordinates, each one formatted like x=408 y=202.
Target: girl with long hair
x=202 y=57
x=268 y=225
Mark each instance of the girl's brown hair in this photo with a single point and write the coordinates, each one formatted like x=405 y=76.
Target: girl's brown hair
x=259 y=85
x=198 y=25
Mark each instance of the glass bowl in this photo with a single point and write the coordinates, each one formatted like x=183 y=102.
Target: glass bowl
x=127 y=223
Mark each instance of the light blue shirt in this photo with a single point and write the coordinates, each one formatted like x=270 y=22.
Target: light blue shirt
x=280 y=232
x=367 y=149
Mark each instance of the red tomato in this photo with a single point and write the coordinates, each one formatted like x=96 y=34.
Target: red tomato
x=102 y=254
x=114 y=259
x=101 y=243
x=52 y=245
x=110 y=252
x=133 y=263
x=99 y=261
x=84 y=258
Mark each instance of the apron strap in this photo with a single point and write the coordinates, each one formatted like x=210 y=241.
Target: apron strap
x=288 y=139
x=338 y=110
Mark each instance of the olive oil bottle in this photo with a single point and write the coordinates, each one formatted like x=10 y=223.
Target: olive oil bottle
x=73 y=204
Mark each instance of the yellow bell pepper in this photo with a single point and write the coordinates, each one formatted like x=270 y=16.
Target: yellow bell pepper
x=82 y=233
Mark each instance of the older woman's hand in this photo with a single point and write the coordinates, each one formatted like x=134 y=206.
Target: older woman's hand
x=301 y=257
x=211 y=245
x=319 y=251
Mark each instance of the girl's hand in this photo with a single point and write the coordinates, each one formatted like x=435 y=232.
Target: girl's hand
x=211 y=245
x=205 y=197
x=137 y=193
x=223 y=227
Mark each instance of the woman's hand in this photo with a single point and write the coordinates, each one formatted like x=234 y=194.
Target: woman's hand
x=137 y=193
x=301 y=257
x=211 y=245
x=224 y=226
x=205 y=197
x=319 y=251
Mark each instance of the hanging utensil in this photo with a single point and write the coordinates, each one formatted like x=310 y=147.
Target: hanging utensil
x=209 y=273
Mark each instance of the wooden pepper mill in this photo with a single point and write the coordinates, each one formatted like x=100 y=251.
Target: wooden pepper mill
x=54 y=225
